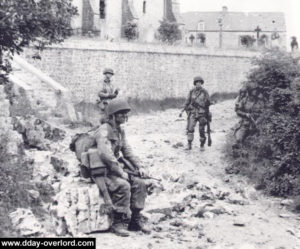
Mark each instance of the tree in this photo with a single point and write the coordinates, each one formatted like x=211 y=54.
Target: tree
x=247 y=40
x=131 y=31
x=169 y=32
x=32 y=22
x=201 y=37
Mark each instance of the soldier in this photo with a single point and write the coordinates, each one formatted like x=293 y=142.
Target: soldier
x=121 y=170
x=107 y=93
x=197 y=108
x=248 y=107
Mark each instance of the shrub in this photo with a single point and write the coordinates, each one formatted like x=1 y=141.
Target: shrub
x=131 y=31
x=169 y=32
x=247 y=40
x=274 y=149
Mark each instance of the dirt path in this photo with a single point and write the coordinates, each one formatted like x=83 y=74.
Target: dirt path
x=200 y=207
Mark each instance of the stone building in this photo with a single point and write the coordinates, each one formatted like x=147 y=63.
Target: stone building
x=234 y=29
x=107 y=18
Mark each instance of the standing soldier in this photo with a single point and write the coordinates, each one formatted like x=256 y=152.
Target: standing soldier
x=107 y=93
x=120 y=170
x=197 y=108
x=248 y=107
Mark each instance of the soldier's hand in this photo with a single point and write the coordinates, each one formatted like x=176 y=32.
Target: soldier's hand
x=117 y=91
x=143 y=172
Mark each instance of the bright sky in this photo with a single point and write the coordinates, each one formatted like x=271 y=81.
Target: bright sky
x=291 y=8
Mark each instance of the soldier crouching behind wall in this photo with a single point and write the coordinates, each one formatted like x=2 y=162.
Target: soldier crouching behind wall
x=197 y=108
x=115 y=164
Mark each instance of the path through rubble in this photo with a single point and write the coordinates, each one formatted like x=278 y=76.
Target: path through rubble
x=199 y=206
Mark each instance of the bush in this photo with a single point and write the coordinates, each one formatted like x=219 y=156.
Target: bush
x=169 y=32
x=247 y=40
x=131 y=31
x=274 y=149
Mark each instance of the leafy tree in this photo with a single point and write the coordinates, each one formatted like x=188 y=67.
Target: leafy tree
x=201 y=37
x=169 y=32
x=131 y=31
x=36 y=22
x=247 y=40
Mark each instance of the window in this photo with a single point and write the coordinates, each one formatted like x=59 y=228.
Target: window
x=144 y=7
x=200 y=26
x=102 y=9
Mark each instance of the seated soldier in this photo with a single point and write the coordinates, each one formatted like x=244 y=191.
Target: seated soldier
x=127 y=191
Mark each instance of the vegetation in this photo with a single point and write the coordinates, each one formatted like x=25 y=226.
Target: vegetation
x=247 y=41
x=271 y=156
x=36 y=22
x=169 y=32
x=131 y=31
x=23 y=23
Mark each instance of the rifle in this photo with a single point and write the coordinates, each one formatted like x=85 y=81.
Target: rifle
x=131 y=170
x=208 y=117
x=252 y=121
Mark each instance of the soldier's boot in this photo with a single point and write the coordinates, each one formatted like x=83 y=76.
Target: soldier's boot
x=202 y=146
x=118 y=225
x=136 y=224
x=189 y=146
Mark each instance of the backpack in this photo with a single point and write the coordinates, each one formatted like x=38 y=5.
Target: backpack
x=80 y=144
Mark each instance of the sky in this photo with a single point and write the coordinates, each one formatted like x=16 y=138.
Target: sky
x=291 y=8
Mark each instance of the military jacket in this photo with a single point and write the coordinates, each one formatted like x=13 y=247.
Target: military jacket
x=197 y=101
x=112 y=144
x=107 y=91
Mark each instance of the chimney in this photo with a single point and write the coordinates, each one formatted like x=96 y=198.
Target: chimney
x=224 y=9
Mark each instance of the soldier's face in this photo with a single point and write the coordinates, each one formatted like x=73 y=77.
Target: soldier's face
x=121 y=117
x=108 y=75
x=198 y=84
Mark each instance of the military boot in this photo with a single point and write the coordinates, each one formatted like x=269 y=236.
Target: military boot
x=118 y=225
x=136 y=224
x=202 y=143
x=189 y=146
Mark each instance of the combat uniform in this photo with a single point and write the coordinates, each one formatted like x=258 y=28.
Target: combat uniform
x=106 y=94
x=112 y=144
x=197 y=107
x=248 y=109
x=115 y=164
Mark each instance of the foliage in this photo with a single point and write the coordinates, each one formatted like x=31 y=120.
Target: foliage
x=37 y=22
x=131 y=31
x=169 y=32
x=247 y=40
x=274 y=149
x=201 y=37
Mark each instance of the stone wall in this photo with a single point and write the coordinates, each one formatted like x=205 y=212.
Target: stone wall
x=142 y=71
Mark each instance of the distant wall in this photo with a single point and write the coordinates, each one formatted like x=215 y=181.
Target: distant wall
x=145 y=72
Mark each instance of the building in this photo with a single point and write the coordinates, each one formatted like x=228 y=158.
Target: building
x=234 y=29
x=107 y=18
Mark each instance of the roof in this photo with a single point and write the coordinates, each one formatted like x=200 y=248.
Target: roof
x=236 y=21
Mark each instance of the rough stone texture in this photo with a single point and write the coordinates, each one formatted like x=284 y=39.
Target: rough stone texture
x=13 y=139
x=36 y=131
x=77 y=210
x=25 y=221
x=142 y=71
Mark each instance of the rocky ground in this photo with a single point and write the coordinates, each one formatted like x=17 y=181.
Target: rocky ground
x=196 y=206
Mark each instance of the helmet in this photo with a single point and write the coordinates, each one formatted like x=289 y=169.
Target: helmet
x=108 y=70
x=198 y=79
x=251 y=86
x=117 y=105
